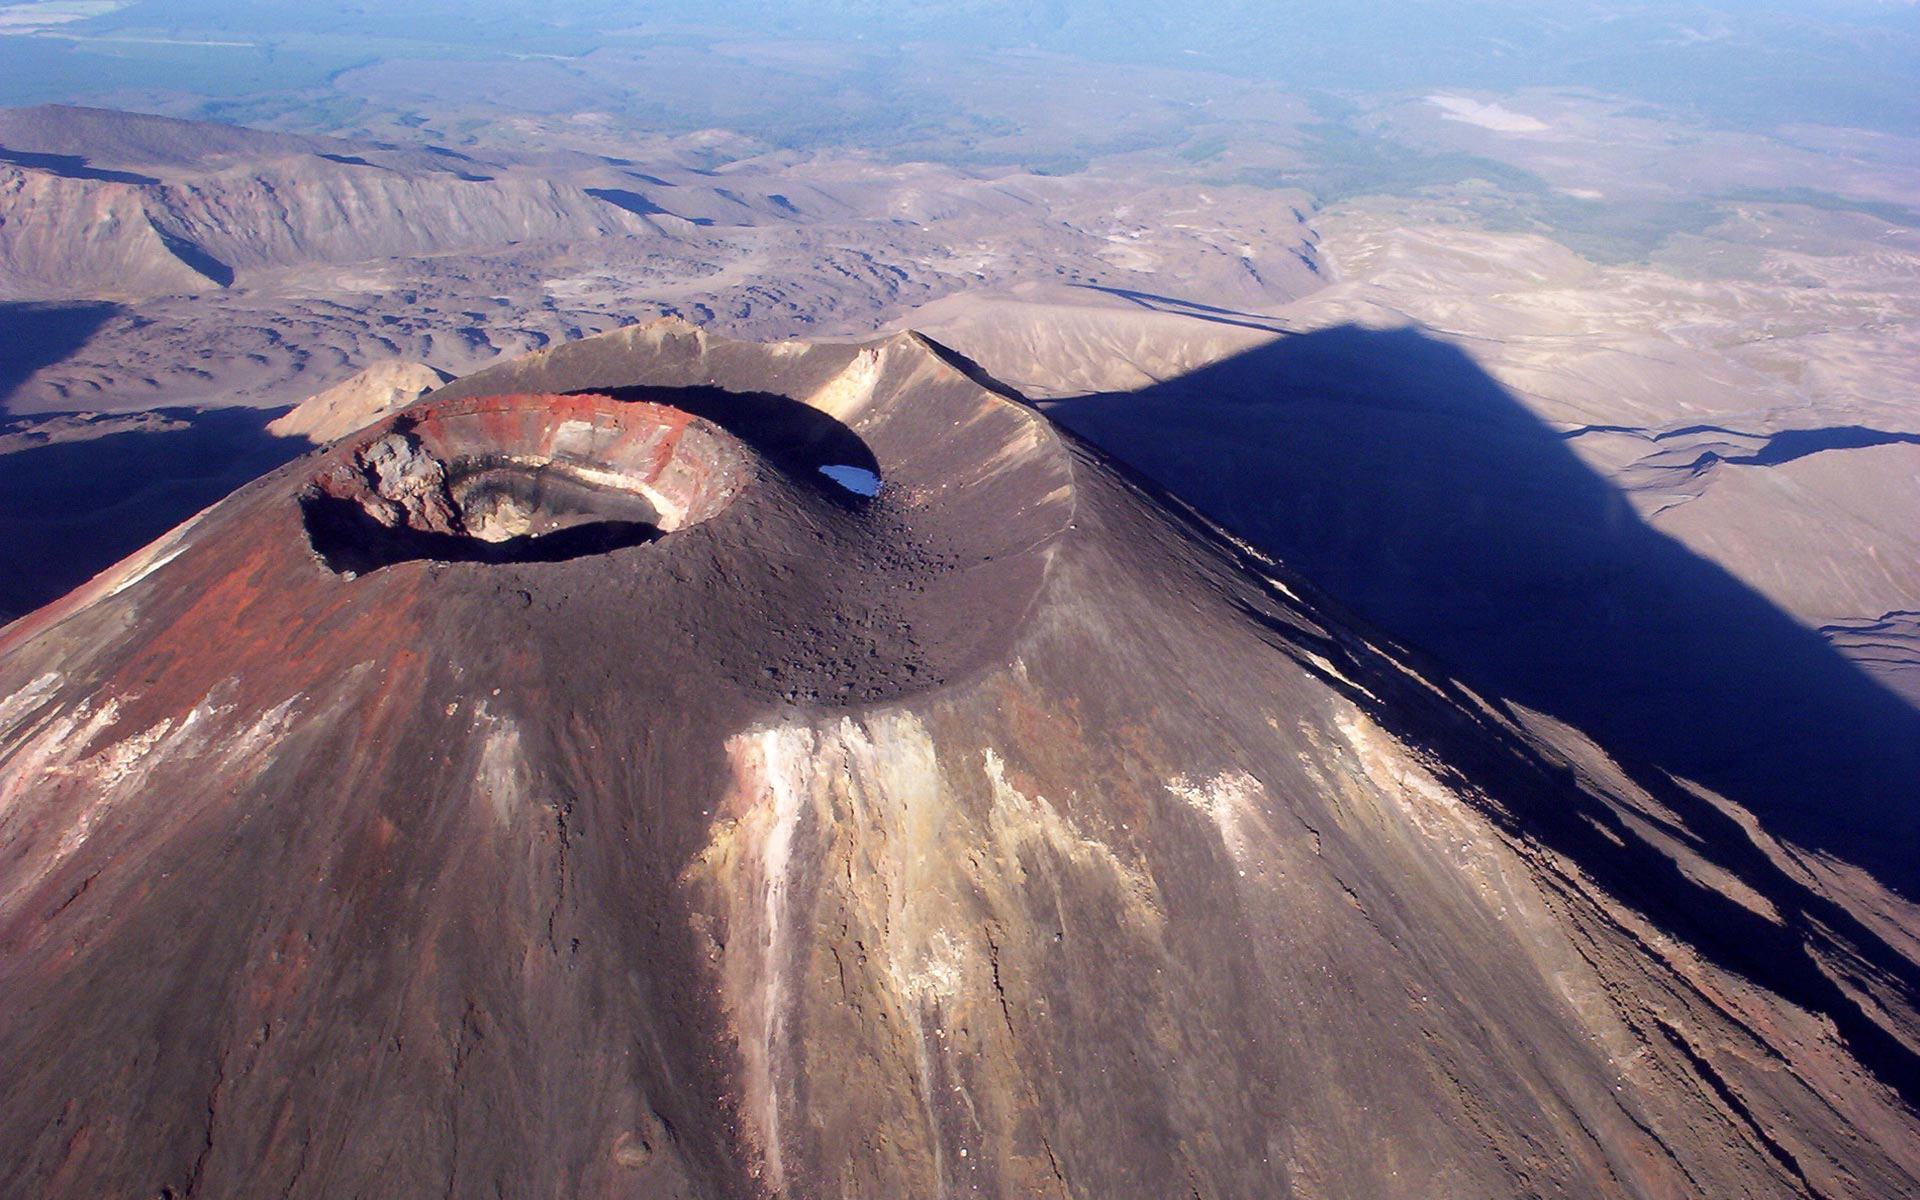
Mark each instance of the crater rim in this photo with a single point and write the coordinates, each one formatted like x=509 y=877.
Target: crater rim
x=518 y=478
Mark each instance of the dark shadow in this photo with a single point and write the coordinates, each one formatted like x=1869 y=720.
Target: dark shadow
x=69 y=166
x=639 y=205
x=1187 y=308
x=197 y=258
x=464 y=176
x=350 y=160
x=349 y=540
x=1391 y=471
x=1790 y=444
x=627 y=201
x=1774 y=449
x=38 y=335
x=71 y=509
x=795 y=437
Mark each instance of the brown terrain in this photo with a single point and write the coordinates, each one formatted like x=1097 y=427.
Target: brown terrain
x=1349 y=685
x=564 y=787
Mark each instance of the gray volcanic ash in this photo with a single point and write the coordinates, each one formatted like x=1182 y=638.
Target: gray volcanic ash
x=564 y=787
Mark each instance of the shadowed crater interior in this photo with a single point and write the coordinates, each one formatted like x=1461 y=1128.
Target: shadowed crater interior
x=795 y=437
x=518 y=479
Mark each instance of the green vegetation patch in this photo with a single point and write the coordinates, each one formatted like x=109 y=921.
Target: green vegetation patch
x=1892 y=214
x=1610 y=232
x=1344 y=163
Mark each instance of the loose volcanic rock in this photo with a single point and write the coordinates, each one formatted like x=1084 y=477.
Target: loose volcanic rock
x=568 y=787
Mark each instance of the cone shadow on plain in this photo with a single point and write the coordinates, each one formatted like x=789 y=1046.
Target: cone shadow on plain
x=1389 y=468
x=1397 y=476
x=70 y=510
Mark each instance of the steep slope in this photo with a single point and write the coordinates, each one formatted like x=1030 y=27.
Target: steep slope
x=59 y=229
x=107 y=204
x=585 y=794
x=200 y=233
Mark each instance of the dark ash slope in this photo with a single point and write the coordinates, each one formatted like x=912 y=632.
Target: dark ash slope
x=1010 y=833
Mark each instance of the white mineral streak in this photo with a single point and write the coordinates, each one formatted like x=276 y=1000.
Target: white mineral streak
x=1411 y=799
x=891 y=775
x=1470 y=850
x=1465 y=848
x=263 y=733
x=1018 y=819
x=893 y=782
x=127 y=760
x=1387 y=762
x=915 y=879
x=1231 y=801
x=17 y=707
x=774 y=769
x=52 y=765
x=883 y=776
x=142 y=563
x=502 y=776
x=1015 y=451
x=53 y=748
x=787 y=760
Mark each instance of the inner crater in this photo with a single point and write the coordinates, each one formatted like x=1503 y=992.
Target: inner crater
x=518 y=479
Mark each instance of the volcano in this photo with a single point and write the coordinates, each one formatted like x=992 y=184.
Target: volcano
x=670 y=767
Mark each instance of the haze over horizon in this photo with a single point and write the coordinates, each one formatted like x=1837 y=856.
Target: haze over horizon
x=726 y=600
x=1750 y=65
